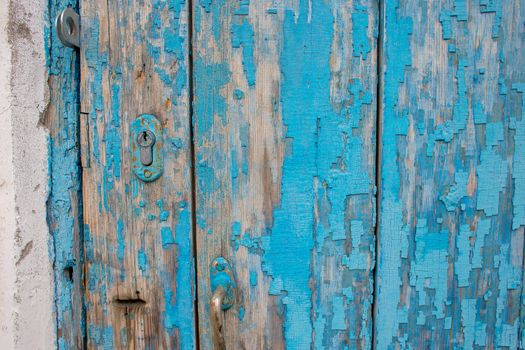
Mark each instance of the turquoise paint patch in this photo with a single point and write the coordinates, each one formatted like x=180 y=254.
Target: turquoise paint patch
x=446 y=16
x=210 y=79
x=492 y=177
x=120 y=240
x=431 y=267
x=253 y=278
x=509 y=277
x=242 y=35
x=142 y=260
x=236 y=229
x=482 y=232
x=206 y=177
x=101 y=336
x=450 y=128
x=166 y=237
x=113 y=147
x=360 y=41
x=456 y=192
x=360 y=98
x=179 y=312
x=356 y=260
x=479 y=114
x=468 y=322
x=163 y=214
x=518 y=166
x=241 y=313
x=496 y=7
x=494 y=133
x=238 y=94
x=243 y=9
x=463 y=265
x=319 y=328
x=244 y=137
x=338 y=318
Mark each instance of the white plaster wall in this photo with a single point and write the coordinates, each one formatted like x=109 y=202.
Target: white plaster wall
x=26 y=283
x=7 y=192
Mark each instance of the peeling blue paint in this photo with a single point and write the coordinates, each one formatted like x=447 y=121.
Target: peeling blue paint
x=496 y=7
x=143 y=261
x=457 y=192
x=397 y=55
x=492 y=178
x=361 y=42
x=518 y=166
x=179 y=314
x=64 y=202
x=253 y=278
x=356 y=260
x=211 y=79
x=242 y=35
x=462 y=276
x=166 y=237
x=338 y=320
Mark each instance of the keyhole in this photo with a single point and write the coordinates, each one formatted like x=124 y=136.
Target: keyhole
x=146 y=140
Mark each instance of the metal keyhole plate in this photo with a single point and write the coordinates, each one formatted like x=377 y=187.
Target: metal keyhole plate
x=146 y=158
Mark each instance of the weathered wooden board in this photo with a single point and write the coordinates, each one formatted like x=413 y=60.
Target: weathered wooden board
x=64 y=203
x=284 y=118
x=453 y=191
x=138 y=236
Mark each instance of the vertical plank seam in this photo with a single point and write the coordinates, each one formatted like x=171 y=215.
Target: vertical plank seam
x=378 y=159
x=193 y=175
x=81 y=247
x=80 y=199
x=521 y=314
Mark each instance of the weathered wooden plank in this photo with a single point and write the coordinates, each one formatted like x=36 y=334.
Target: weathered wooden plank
x=452 y=219
x=138 y=236
x=64 y=203
x=284 y=118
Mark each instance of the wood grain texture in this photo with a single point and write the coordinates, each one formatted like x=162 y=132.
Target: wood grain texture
x=452 y=195
x=64 y=205
x=138 y=236
x=284 y=118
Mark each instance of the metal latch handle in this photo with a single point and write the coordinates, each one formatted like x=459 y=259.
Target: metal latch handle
x=67 y=26
x=224 y=295
x=217 y=318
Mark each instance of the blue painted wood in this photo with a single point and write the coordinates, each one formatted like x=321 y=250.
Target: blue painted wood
x=452 y=193
x=138 y=235
x=285 y=132
x=284 y=117
x=64 y=204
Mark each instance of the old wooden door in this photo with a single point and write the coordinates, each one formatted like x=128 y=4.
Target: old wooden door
x=289 y=138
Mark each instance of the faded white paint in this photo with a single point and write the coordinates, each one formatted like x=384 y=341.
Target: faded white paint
x=26 y=284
